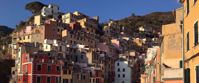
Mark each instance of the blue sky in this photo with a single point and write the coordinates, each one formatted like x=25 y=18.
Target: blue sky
x=13 y=11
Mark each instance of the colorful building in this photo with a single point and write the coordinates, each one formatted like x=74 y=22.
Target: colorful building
x=152 y=72
x=67 y=73
x=40 y=68
x=191 y=48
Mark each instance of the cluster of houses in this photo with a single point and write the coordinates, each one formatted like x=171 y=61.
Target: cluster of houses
x=176 y=60
x=164 y=63
x=67 y=48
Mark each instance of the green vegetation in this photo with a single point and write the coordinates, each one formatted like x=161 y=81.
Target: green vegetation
x=35 y=7
x=154 y=20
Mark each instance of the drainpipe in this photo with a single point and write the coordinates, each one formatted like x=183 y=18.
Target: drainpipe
x=183 y=52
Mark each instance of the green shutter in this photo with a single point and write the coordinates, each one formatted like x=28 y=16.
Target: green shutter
x=180 y=63
x=196 y=33
x=188 y=41
x=197 y=74
x=187 y=7
x=187 y=76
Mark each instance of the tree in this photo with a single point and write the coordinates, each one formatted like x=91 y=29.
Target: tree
x=34 y=7
x=133 y=14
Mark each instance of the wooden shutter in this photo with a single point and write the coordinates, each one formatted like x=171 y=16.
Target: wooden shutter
x=188 y=41
x=197 y=74
x=196 y=33
x=180 y=63
x=187 y=75
x=187 y=7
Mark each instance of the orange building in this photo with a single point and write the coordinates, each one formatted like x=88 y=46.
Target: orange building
x=191 y=41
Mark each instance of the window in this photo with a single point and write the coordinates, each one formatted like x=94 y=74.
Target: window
x=26 y=69
x=60 y=48
x=65 y=81
x=82 y=56
x=118 y=75
x=188 y=41
x=187 y=75
x=38 y=67
x=58 y=80
x=65 y=72
x=123 y=82
x=195 y=1
x=38 y=79
x=187 y=7
x=197 y=74
x=118 y=69
x=49 y=68
x=118 y=64
x=84 y=77
x=97 y=80
x=123 y=69
x=123 y=75
x=58 y=68
x=46 y=47
x=196 y=33
x=69 y=71
x=180 y=63
x=48 y=79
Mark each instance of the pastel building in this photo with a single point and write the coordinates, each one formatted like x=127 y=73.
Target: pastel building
x=171 y=50
x=67 y=73
x=152 y=73
x=122 y=71
x=48 y=30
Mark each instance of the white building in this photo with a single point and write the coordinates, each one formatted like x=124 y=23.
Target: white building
x=50 y=45
x=51 y=9
x=122 y=72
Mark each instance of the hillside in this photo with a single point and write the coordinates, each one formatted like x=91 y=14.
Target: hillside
x=154 y=20
x=5 y=35
x=5 y=31
x=5 y=64
x=152 y=24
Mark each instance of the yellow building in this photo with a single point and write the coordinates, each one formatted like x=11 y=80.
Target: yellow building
x=66 y=74
x=171 y=50
x=191 y=42
x=172 y=42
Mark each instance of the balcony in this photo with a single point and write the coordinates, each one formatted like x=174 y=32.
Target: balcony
x=172 y=74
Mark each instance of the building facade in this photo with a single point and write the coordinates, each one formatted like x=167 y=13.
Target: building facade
x=122 y=72
x=191 y=58
x=40 y=68
x=171 y=50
